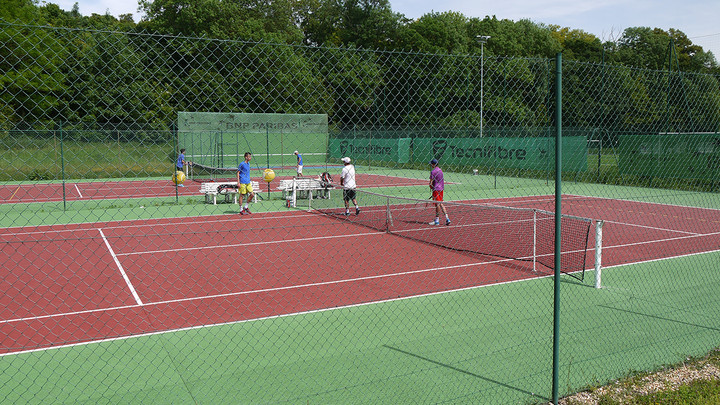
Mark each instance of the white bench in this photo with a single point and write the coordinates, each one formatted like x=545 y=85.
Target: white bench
x=292 y=189
x=211 y=191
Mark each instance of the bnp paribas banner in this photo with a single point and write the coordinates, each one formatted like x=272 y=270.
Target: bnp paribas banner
x=511 y=153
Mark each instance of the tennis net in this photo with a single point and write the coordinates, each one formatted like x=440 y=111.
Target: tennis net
x=524 y=234
x=198 y=172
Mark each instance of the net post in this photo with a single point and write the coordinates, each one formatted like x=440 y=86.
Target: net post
x=598 y=253
x=388 y=215
x=294 y=193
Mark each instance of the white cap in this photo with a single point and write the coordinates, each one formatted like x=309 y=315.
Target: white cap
x=345 y=159
x=295 y=153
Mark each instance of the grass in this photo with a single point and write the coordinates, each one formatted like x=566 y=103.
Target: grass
x=39 y=159
x=695 y=381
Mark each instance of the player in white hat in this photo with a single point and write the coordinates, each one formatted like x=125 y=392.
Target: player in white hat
x=347 y=180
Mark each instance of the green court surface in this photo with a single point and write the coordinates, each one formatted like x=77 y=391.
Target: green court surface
x=462 y=186
x=416 y=349
x=489 y=344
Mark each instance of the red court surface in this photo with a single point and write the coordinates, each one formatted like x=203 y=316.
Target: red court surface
x=81 y=283
x=79 y=191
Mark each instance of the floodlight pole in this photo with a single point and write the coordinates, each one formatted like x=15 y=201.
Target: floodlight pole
x=482 y=39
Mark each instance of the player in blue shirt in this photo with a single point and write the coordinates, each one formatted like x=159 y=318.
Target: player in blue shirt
x=180 y=164
x=244 y=186
x=299 y=163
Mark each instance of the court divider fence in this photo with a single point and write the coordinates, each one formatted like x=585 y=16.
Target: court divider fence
x=121 y=286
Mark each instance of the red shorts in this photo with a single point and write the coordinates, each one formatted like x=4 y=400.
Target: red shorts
x=437 y=195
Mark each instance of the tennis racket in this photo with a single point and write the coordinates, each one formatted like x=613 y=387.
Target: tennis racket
x=429 y=202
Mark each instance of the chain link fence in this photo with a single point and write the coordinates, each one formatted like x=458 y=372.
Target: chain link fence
x=121 y=285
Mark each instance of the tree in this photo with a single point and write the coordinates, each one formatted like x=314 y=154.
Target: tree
x=320 y=21
x=523 y=38
x=239 y=19
x=30 y=60
x=578 y=44
x=690 y=57
x=643 y=47
x=369 y=24
x=19 y=10
x=442 y=32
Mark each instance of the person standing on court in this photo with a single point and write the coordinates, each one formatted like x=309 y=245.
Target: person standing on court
x=244 y=186
x=180 y=164
x=299 y=163
x=437 y=186
x=347 y=181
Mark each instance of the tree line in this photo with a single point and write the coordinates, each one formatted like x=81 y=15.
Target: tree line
x=357 y=60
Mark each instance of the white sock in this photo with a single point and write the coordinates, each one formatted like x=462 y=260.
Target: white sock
x=245 y=206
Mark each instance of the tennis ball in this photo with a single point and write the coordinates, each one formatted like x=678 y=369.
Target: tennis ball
x=178 y=177
x=268 y=175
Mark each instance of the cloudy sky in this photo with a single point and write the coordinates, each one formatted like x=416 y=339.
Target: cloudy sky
x=606 y=19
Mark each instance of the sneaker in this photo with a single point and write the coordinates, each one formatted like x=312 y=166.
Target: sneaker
x=357 y=211
x=447 y=222
x=346 y=213
x=242 y=212
x=247 y=211
x=181 y=185
x=434 y=223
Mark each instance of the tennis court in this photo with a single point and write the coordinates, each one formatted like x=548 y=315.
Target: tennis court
x=149 y=276
x=125 y=189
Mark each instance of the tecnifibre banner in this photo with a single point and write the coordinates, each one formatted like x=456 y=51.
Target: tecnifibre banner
x=516 y=153
x=511 y=153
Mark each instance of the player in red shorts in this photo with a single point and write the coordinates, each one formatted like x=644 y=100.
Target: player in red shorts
x=437 y=185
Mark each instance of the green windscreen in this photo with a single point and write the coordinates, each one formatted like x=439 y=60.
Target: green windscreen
x=221 y=139
x=674 y=155
x=504 y=153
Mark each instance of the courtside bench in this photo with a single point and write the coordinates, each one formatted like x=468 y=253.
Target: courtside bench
x=211 y=191
x=293 y=189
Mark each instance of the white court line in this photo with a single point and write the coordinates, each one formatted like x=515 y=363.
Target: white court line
x=78 y=191
x=262 y=290
x=699 y=235
x=654 y=228
x=314 y=238
x=172 y=221
x=120 y=267
x=162 y=332
x=590 y=197
x=292 y=314
x=245 y=244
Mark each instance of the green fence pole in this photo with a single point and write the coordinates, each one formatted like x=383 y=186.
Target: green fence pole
x=174 y=171
x=62 y=167
x=558 y=217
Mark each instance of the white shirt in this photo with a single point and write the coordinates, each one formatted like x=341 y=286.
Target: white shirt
x=348 y=177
